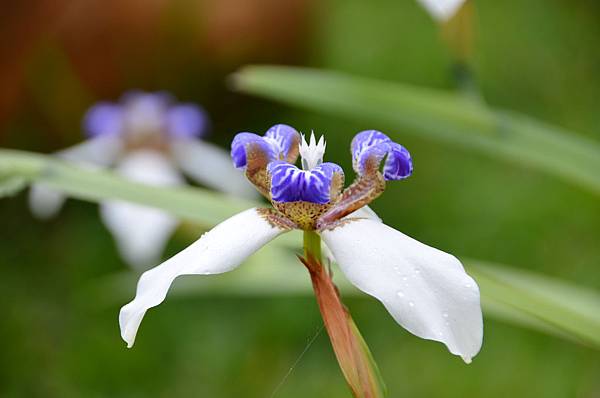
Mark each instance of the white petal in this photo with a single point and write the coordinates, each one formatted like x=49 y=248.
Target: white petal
x=211 y=166
x=220 y=250
x=442 y=10
x=45 y=202
x=102 y=151
x=141 y=232
x=426 y=290
x=365 y=212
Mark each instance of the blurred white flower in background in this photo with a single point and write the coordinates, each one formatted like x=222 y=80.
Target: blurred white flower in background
x=442 y=10
x=148 y=138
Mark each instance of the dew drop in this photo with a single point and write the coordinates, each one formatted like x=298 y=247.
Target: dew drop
x=441 y=334
x=405 y=278
x=417 y=271
x=399 y=294
x=410 y=303
x=468 y=285
x=445 y=315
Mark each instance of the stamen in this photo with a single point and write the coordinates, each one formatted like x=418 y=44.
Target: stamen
x=312 y=154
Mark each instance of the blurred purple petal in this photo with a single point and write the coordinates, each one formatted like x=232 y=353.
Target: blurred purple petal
x=103 y=118
x=186 y=120
x=145 y=112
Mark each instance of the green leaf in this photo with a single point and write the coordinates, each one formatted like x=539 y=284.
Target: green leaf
x=11 y=186
x=540 y=302
x=433 y=113
x=195 y=204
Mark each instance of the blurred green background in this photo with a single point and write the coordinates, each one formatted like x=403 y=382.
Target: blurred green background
x=538 y=57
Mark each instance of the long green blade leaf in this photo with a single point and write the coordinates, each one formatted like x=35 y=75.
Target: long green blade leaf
x=195 y=204
x=437 y=114
x=540 y=302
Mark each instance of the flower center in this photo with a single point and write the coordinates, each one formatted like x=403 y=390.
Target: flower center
x=312 y=153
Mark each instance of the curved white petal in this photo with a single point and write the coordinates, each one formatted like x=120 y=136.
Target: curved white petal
x=220 y=250
x=45 y=202
x=426 y=290
x=442 y=10
x=211 y=166
x=141 y=232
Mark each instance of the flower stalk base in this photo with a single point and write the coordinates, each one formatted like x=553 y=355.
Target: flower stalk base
x=351 y=351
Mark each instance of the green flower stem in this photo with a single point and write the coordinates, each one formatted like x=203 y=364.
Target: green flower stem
x=351 y=350
x=312 y=245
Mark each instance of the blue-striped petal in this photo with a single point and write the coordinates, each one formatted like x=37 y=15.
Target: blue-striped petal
x=279 y=143
x=285 y=138
x=372 y=146
x=291 y=184
x=242 y=140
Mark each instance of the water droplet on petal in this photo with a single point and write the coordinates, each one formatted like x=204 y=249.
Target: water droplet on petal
x=468 y=285
x=399 y=294
x=445 y=315
x=405 y=278
x=411 y=304
x=417 y=271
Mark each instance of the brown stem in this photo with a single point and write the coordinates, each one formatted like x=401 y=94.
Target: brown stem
x=350 y=349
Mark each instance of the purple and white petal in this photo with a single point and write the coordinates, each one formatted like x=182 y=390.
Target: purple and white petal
x=141 y=232
x=220 y=250
x=426 y=290
x=372 y=145
x=186 y=121
x=398 y=164
x=210 y=165
x=284 y=139
x=290 y=184
x=240 y=143
x=104 y=118
x=144 y=113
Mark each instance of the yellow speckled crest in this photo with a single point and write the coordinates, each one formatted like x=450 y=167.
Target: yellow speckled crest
x=303 y=214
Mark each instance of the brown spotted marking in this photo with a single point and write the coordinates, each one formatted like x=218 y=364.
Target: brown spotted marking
x=303 y=214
